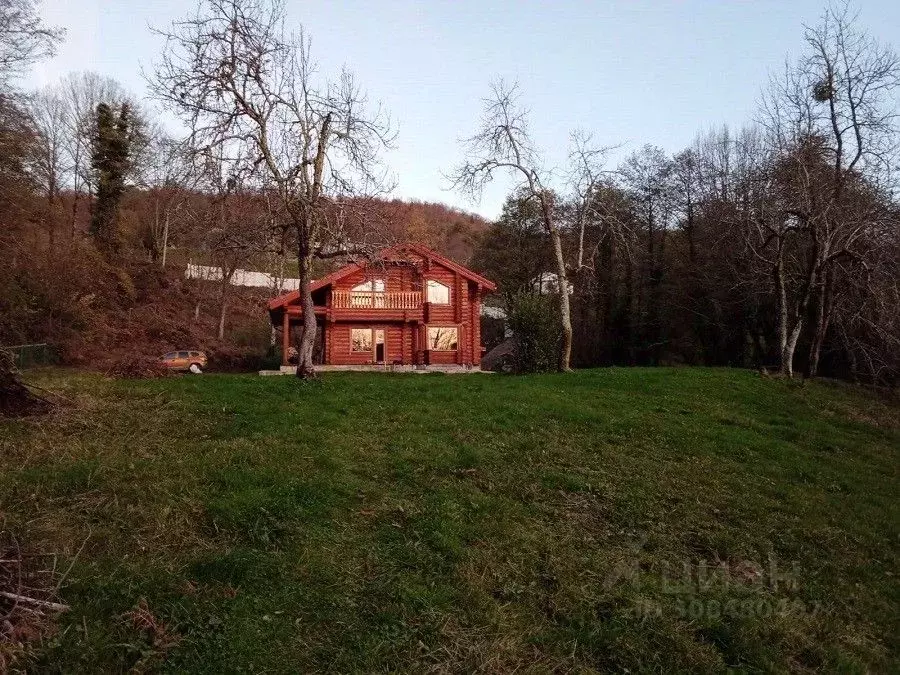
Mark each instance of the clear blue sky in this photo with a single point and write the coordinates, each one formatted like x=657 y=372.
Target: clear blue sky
x=630 y=71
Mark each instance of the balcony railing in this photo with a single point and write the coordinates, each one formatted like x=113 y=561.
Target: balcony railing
x=369 y=300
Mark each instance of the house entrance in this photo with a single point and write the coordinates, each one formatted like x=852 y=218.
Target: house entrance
x=379 y=346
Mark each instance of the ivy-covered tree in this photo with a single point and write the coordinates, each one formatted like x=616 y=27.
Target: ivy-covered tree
x=110 y=155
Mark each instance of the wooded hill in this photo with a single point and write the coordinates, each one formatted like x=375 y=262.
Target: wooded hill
x=98 y=308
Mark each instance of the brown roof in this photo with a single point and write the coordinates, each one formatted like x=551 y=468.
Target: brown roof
x=424 y=251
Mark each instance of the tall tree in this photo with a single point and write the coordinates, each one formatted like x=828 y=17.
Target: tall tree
x=82 y=92
x=48 y=112
x=647 y=178
x=248 y=89
x=503 y=144
x=169 y=177
x=24 y=39
x=831 y=120
x=110 y=155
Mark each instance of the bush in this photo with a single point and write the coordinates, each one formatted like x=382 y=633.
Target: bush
x=533 y=321
x=137 y=366
x=231 y=359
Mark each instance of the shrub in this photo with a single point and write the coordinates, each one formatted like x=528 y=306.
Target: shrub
x=532 y=319
x=231 y=359
x=137 y=366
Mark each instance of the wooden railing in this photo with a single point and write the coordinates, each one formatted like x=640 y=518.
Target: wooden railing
x=370 y=300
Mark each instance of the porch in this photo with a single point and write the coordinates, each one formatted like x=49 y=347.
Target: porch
x=376 y=300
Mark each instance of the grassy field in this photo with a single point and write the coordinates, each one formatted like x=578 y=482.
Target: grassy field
x=648 y=519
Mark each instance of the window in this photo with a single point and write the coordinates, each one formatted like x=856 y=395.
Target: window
x=372 y=286
x=182 y=355
x=368 y=294
x=442 y=338
x=438 y=293
x=360 y=339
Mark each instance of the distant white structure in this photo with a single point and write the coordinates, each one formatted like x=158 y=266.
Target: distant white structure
x=491 y=312
x=241 y=278
x=548 y=282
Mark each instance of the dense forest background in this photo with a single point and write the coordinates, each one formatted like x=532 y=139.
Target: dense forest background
x=776 y=245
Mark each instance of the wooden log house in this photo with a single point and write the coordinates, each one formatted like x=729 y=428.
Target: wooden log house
x=407 y=306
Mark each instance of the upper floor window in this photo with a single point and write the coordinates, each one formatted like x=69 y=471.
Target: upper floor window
x=438 y=293
x=368 y=294
x=370 y=286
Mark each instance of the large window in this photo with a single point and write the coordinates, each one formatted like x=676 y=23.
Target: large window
x=438 y=293
x=361 y=339
x=442 y=338
x=371 y=286
x=368 y=294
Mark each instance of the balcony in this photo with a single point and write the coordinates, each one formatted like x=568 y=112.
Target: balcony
x=376 y=300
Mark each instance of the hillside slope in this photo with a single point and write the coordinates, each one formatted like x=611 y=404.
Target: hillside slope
x=97 y=309
x=641 y=519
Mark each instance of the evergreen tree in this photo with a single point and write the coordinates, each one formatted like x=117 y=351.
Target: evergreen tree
x=110 y=154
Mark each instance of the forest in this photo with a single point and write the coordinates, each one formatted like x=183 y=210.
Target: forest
x=774 y=246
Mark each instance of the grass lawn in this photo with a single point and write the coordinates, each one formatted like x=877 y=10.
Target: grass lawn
x=648 y=519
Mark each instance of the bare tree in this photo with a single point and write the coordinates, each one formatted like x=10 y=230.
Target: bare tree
x=48 y=115
x=503 y=144
x=831 y=121
x=248 y=88
x=81 y=93
x=24 y=38
x=587 y=179
x=49 y=165
x=170 y=178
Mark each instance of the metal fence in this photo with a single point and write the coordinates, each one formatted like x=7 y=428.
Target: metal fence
x=29 y=356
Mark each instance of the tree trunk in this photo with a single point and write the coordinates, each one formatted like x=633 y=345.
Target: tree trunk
x=824 y=305
x=692 y=247
x=788 y=349
x=279 y=289
x=165 y=239
x=786 y=366
x=305 y=367
x=223 y=309
x=225 y=292
x=565 y=316
x=75 y=194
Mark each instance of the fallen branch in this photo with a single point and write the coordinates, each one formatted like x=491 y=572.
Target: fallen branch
x=55 y=606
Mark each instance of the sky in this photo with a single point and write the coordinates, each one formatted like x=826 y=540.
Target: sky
x=629 y=72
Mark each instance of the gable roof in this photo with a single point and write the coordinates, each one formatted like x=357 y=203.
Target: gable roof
x=385 y=254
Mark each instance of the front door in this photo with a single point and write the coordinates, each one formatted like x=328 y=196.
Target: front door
x=379 y=346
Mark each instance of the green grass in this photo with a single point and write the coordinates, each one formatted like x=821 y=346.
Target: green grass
x=641 y=519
